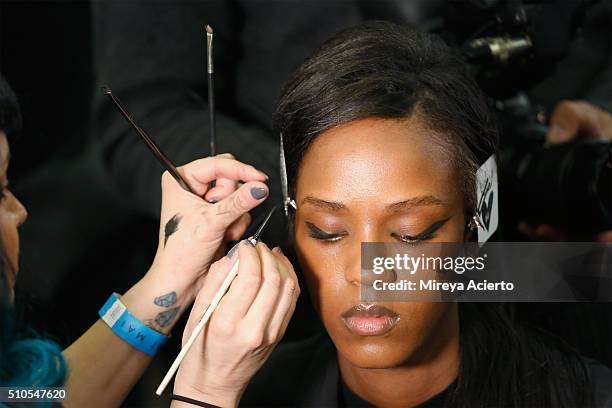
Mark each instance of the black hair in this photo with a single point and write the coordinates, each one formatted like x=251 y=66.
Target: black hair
x=506 y=364
x=384 y=70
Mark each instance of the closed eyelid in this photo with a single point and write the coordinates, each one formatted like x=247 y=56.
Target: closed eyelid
x=321 y=234
x=318 y=231
x=429 y=230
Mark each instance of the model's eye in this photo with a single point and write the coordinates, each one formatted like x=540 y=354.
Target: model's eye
x=429 y=233
x=317 y=233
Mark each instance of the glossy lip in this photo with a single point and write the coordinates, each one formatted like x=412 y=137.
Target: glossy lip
x=369 y=319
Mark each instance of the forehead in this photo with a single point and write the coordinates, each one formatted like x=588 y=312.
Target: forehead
x=373 y=157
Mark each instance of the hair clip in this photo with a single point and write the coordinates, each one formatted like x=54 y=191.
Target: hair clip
x=287 y=201
x=486 y=214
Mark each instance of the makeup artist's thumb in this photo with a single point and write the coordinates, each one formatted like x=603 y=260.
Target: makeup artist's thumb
x=241 y=201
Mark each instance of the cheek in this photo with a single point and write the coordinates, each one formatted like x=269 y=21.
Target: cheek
x=420 y=317
x=10 y=242
x=455 y=228
x=324 y=268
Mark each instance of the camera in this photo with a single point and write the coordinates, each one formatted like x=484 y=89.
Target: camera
x=568 y=186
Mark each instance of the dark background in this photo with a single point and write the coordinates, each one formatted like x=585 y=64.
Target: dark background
x=84 y=239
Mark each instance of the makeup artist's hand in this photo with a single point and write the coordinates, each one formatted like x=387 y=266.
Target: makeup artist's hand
x=193 y=231
x=248 y=323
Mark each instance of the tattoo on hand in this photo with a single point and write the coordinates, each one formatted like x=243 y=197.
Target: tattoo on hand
x=165 y=318
x=166 y=300
x=171 y=227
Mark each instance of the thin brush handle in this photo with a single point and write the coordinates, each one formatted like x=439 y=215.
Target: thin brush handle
x=211 y=114
x=210 y=69
x=198 y=329
x=161 y=157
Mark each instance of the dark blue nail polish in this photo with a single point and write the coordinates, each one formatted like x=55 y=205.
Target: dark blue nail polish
x=259 y=192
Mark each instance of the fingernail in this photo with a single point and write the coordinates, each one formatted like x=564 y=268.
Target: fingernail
x=259 y=192
x=279 y=250
x=233 y=250
x=213 y=201
x=248 y=242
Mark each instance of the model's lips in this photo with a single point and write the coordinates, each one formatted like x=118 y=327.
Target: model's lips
x=369 y=319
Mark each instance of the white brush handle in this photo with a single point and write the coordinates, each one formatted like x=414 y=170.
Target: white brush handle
x=198 y=329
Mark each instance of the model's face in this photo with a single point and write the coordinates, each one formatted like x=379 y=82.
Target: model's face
x=375 y=180
x=12 y=215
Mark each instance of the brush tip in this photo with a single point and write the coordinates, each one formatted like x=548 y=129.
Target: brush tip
x=106 y=90
x=209 y=29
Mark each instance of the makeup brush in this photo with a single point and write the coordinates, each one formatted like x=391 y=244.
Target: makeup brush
x=211 y=88
x=211 y=308
x=163 y=159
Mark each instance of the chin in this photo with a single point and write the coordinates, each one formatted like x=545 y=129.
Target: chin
x=375 y=352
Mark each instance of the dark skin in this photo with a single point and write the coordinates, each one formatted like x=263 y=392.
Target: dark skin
x=391 y=181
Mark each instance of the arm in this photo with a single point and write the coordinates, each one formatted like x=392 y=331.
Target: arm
x=102 y=367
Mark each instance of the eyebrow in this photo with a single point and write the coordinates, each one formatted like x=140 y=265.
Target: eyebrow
x=328 y=205
x=420 y=201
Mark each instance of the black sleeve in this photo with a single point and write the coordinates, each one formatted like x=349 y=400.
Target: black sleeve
x=151 y=54
x=586 y=71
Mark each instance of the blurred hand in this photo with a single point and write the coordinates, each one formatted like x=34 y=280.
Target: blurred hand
x=571 y=120
x=194 y=228
x=578 y=119
x=244 y=329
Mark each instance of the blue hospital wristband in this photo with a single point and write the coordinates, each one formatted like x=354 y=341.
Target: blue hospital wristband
x=129 y=328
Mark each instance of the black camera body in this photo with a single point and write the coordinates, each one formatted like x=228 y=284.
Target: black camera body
x=568 y=186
